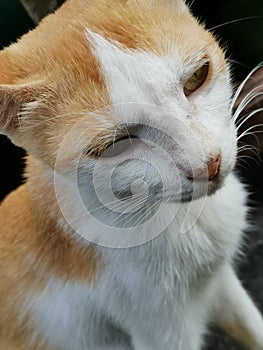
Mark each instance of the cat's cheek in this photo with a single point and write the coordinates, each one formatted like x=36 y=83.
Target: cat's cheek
x=230 y=153
x=225 y=137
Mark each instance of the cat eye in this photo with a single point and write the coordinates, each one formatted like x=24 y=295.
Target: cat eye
x=114 y=141
x=196 y=80
x=118 y=146
x=110 y=149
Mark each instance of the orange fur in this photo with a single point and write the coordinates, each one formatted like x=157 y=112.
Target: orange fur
x=32 y=247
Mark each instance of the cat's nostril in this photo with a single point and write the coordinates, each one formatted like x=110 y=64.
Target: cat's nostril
x=210 y=172
x=213 y=167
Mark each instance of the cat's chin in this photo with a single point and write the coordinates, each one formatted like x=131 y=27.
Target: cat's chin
x=191 y=192
x=189 y=197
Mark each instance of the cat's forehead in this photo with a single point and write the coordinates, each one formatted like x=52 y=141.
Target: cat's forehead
x=128 y=71
x=126 y=50
x=145 y=75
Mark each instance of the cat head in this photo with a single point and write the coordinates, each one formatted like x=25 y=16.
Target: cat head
x=134 y=95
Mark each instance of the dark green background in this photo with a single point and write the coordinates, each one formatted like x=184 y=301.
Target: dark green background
x=14 y=21
x=244 y=39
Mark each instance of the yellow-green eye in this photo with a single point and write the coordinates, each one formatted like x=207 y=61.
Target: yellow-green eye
x=196 y=80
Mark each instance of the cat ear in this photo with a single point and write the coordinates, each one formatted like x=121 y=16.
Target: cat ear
x=38 y=9
x=13 y=99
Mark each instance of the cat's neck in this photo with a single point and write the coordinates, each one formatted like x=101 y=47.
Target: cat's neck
x=40 y=187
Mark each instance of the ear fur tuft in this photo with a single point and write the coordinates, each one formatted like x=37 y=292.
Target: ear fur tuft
x=12 y=99
x=9 y=110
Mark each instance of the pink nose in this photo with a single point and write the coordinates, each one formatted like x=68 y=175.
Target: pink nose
x=208 y=173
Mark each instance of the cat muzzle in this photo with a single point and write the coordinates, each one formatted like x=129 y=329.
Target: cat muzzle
x=209 y=173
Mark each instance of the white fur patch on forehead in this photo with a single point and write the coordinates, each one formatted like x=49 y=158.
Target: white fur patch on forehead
x=136 y=75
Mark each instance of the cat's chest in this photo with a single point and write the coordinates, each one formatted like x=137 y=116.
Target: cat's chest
x=140 y=281
x=59 y=314
x=177 y=259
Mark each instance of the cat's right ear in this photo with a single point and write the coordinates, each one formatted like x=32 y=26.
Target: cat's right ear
x=14 y=101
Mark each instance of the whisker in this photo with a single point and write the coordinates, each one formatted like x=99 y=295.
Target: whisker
x=146 y=214
x=247 y=132
x=235 y=21
x=132 y=205
x=238 y=62
x=241 y=156
x=130 y=215
x=82 y=215
x=248 y=148
x=245 y=158
x=241 y=86
x=243 y=121
x=114 y=137
x=254 y=151
x=117 y=201
x=191 y=4
x=34 y=124
x=148 y=211
x=128 y=133
x=245 y=102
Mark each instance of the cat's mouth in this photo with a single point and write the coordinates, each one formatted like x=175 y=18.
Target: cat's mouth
x=200 y=189
x=193 y=190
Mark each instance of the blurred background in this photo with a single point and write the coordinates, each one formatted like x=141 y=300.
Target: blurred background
x=239 y=26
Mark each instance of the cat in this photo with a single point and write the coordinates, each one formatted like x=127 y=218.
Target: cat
x=126 y=230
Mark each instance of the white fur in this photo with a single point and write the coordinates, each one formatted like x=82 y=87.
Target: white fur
x=160 y=293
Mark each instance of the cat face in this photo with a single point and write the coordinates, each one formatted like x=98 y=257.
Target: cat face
x=165 y=137
x=133 y=97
